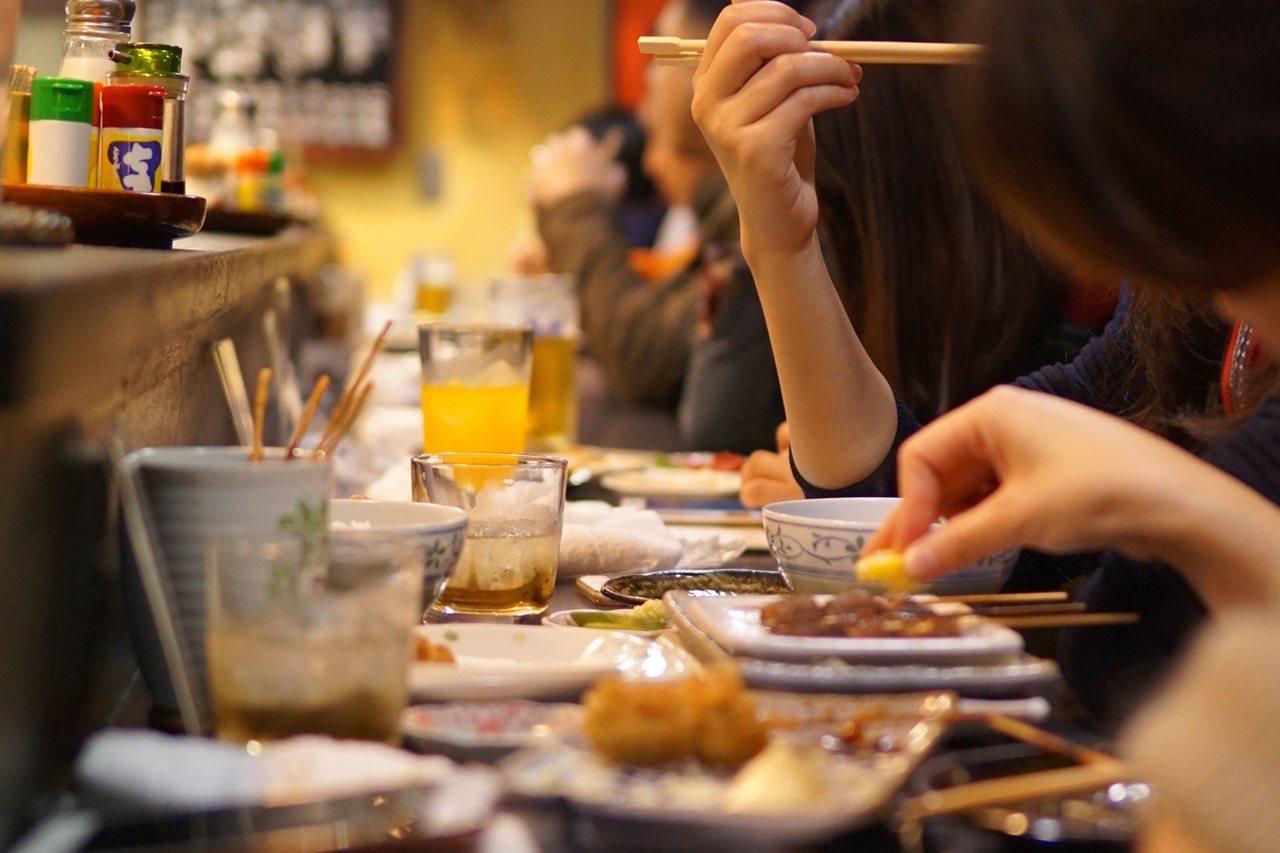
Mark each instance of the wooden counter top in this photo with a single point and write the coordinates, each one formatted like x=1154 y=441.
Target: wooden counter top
x=109 y=305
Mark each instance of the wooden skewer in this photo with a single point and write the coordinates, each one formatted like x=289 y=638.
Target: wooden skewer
x=260 y=412
x=349 y=416
x=1027 y=786
x=1006 y=598
x=317 y=394
x=688 y=51
x=1067 y=620
x=1056 y=608
x=348 y=394
x=1047 y=741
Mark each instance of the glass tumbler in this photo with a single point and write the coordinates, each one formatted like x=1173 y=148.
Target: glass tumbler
x=475 y=387
x=515 y=508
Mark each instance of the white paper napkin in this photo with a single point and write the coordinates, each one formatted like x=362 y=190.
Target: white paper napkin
x=601 y=539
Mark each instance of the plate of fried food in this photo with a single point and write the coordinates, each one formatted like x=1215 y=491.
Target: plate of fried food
x=477 y=662
x=702 y=762
x=856 y=626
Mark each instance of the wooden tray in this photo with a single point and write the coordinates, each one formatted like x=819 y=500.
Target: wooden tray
x=114 y=218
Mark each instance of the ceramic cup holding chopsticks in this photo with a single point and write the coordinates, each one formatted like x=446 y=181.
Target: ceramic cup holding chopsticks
x=194 y=493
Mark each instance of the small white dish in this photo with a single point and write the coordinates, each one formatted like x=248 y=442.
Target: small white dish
x=486 y=730
x=675 y=483
x=535 y=661
x=734 y=624
x=564 y=619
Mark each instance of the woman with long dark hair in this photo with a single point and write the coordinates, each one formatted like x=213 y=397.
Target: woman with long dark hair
x=757 y=89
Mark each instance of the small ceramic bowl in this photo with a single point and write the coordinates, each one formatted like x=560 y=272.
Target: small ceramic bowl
x=439 y=530
x=816 y=543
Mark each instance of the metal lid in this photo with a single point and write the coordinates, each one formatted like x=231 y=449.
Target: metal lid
x=100 y=17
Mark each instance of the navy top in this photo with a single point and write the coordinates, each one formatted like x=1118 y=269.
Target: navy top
x=1111 y=669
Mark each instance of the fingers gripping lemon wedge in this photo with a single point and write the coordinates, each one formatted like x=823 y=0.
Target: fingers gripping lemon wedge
x=886 y=568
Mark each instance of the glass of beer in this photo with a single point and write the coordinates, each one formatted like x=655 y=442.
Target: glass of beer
x=300 y=648
x=549 y=304
x=515 y=509
x=475 y=387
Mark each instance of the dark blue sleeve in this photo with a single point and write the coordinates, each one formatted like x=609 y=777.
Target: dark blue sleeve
x=1086 y=379
x=1113 y=669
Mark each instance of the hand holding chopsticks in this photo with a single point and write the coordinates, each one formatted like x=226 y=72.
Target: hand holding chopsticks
x=678 y=51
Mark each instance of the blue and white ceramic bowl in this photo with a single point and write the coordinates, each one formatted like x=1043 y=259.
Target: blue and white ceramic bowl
x=816 y=542
x=440 y=531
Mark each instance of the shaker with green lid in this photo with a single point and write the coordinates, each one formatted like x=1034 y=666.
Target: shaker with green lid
x=159 y=65
x=60 y=131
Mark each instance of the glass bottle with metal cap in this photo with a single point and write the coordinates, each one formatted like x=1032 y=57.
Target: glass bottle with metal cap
x=160 y=65
x=94 y=28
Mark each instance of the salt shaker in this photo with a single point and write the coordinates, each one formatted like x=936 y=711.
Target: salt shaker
x=94 y=28
x=60 y=127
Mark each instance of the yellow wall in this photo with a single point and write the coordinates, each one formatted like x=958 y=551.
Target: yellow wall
x=482 y=81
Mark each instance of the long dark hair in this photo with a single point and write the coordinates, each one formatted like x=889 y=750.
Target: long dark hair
x=947 y=299
x=1141 y=139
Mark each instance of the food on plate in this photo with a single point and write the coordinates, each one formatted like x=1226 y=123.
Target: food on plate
x=723 y=460
x=857 y=613
x=651 y=723
x=426 y=651
x=784 y=776
x=637 y=588
x=886 y=568
x=650 y=616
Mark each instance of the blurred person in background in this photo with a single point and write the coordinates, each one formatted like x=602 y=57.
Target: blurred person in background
x=681 y=329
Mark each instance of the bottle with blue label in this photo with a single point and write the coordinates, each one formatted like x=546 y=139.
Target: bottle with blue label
x=132 y=138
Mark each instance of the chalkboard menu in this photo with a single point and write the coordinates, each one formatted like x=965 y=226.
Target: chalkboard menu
x=321 y=71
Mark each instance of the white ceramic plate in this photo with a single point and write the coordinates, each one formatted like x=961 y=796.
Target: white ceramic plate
x=564 y=619
x=675 y=483
x=1020 y=675
x=734 y=623
x=486 y=730
x=535 y=661
x=682 y=806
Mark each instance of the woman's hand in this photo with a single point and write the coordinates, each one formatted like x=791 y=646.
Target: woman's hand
x=756 y=91
x=767 y=477
x=1020 y=468
x=573 y=162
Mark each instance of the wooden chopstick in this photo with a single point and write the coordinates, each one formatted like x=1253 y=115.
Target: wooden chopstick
x=1027 y=786
x=688 y=51
x=1005 y=598
x=1047 y=741
x=348 y=394
x=349 y=416
x=1066 y=620
x=317 y=394
x=260 y=396
x=1056 y=608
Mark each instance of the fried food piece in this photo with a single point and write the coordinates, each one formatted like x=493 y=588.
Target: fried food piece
x=650 y=723
x=645 y=723
x=426 y=651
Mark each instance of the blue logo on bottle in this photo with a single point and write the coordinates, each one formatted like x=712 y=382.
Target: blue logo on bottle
x=135 y=164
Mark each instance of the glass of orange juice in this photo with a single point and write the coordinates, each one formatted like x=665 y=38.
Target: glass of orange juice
x=475 y=387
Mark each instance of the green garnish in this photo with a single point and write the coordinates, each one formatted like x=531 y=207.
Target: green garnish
x=650 y=616
x=451 y=635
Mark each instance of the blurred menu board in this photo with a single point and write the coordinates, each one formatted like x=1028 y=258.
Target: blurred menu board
x=322 y=71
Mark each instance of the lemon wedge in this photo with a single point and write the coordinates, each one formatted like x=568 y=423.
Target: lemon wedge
x=886 y=568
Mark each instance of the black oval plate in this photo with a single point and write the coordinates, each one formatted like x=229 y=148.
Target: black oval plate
x=639 y=588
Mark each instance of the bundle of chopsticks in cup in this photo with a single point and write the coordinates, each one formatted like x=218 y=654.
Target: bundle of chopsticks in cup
x=344 y=413
x=678 y=51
